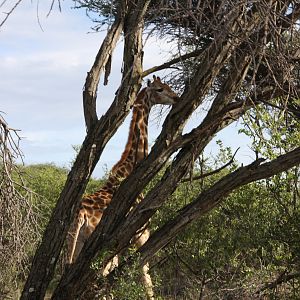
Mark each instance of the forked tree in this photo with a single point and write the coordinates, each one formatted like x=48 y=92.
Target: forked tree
x=233 y=57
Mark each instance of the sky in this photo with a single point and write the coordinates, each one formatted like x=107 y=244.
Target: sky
x=43 y=64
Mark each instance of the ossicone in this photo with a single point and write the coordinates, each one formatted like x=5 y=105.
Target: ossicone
x=156 y=78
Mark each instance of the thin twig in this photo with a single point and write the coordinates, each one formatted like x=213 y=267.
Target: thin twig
x=10 y=12
x=212 y=172
x=18 y=222
x=172 y=62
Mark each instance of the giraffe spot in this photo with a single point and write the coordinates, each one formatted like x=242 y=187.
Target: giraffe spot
x=110 y=191
x=124 y=171
x=113 y=180
x=88 y=211
x=120 y=174
x=87 y=201
x=94 y=220
x=105 y=196
x=109 y=185
x=129 y=167
x=98 y=214
x=103 y=189
x=93 y=196
x=130 y=157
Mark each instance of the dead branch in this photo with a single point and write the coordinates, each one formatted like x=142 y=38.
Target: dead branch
x=93 y=76
x=172 y=62
x=19 y=229
x=16 y=4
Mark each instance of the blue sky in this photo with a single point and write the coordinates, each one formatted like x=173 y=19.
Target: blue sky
x=43 y=72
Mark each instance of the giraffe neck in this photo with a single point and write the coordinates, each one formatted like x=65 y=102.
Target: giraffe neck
x=137 y=144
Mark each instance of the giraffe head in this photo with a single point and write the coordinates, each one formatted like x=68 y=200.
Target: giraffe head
x=160 y=93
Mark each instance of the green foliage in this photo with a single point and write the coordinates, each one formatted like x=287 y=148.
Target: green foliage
x=129 y=286
x=233 y=251
x=237 y=247
x=47 y=181
x=273 y=132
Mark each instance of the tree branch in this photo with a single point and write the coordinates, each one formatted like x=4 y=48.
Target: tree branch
x=93 y=76
x=132 y=64
x=208 y=199
x=172 y=62
x=212 y=172
x=282 y=278
x=10 y=12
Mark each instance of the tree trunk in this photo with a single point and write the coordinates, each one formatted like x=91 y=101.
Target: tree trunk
x=99 y=133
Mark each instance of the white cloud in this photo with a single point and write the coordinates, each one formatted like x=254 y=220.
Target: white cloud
x=44 y=74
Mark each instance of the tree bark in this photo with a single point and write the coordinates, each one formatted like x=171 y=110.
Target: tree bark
x=133 y=28
x=92 y=80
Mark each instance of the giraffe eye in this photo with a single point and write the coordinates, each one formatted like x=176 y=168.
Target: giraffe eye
x=159 y=90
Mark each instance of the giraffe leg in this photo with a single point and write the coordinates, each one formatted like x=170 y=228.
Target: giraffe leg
x=84 y=233
x=114 y=262
x=147 y=282
x=72 y=238
x=140 y=240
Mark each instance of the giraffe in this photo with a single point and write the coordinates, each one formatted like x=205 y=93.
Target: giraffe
x=92 y=206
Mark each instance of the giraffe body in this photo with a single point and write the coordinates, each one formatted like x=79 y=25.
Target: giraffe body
x=92 y=206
